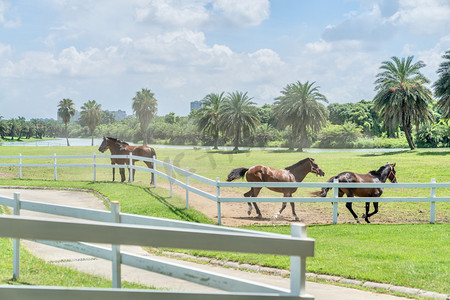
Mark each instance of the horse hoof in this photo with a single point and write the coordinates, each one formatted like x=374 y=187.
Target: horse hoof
x=259 y=217
x=250 y=208
x=367 y=220
x=297 y=218
x=358 y=220
x=276 y=215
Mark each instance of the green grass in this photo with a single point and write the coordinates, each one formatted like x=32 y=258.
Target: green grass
x=413 y=255
x=35 y=271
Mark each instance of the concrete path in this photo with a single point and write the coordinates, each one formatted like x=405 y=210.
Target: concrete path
x=103 y=268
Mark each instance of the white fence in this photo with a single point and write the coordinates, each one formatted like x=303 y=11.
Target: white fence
x=218 y=198
x=118 y=228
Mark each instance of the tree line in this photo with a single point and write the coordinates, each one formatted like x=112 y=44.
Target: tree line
x=403 y=107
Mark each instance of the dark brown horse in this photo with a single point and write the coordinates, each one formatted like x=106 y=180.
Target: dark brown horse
x=385 y=172
x=117 y=147
x=259 y=173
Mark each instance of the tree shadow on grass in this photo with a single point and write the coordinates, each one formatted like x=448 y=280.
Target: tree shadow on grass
x=227 y=151
x=434 y=153
x=180 y=212
x=384 y=153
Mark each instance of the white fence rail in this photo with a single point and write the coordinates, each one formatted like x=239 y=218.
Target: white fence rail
x=116 y=228
x=218 y=198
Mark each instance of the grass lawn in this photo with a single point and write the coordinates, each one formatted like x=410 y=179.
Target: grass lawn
x=35 y=271
x=413 y=255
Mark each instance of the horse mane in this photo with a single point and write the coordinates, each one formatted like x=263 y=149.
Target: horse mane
x=379 y=172
x=117 y=140
x=297 y=164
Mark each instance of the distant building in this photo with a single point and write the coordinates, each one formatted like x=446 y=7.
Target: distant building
x=195 y=105
x=119 y=115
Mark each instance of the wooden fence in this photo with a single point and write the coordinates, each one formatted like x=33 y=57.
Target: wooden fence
x=117 y=228
x=171 y=172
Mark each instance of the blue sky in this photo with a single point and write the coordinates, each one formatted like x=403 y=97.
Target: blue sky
x=107 y=50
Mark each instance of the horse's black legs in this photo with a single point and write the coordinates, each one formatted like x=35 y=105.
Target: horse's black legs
x=114 y=173
x=367 y=215
x=349 y=207
x=257 y=210
x=293 y=211
x=122 y=174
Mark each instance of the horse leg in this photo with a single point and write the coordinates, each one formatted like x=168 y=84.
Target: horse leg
x=122 y=174
x=349 y=207
x=150 y=165
x=114 y=172
x=367 y=215
x=253 y=193
x=283 y=206
x=293 y=211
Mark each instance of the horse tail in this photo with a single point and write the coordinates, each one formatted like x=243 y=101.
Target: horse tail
x=324 y=191
x=236 y=173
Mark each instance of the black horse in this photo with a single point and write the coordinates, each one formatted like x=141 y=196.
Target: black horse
x=385 y=172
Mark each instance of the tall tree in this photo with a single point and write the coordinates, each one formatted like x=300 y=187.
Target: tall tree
x=208 y=120
x=239 y=116
x=299 y=107
x=3 y=127
x=442 y=86
x=66 y=110
x=145 y=107
x=401 y=97
x=91 y=114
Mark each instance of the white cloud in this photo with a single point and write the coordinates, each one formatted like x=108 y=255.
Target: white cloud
x=243 y=13
x=3 y=9
x=190 y=14
x=384 y=21
x=425 y=17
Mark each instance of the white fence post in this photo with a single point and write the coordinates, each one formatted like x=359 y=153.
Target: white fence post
x=298 y=264
x=16 y=242
x=219 y=210
x=54 y=164
x=187 y=191
x=170 y=177
x=95 y=167
x=115 y=249
x=131 y=179
x=335 y=204
x=154 y=170
x=20 y=165
x=433 y=204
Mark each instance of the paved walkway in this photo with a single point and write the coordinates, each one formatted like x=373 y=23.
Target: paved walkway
x=103 y=268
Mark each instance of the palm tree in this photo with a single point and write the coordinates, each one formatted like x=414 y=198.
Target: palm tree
x=144 y=105
x=3 y=127
x=208 y=121
x=401 y=97
x=91 y=114
x=66 y=110
x=299 y=107
x=239 y=116
x=442 y=86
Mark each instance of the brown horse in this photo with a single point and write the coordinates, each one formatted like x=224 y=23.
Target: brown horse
x=117 y=147
x=259 y=173
x=385 y=172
